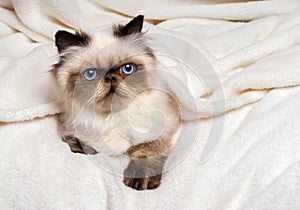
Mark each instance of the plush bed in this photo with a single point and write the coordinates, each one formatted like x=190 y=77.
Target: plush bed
x=238 y=148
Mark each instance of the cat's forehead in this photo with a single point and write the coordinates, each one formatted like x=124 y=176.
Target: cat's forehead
x=102 y=38
x=106 y=49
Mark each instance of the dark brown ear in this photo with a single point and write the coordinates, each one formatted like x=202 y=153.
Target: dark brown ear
x=64 y=39
x=133 y=27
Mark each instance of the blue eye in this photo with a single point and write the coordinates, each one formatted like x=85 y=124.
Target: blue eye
x=127 y=68
x=90 y=74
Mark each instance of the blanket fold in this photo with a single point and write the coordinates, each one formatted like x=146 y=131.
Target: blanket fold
x=237 y=76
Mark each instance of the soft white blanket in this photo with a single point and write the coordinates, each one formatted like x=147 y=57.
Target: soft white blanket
x=241 y=151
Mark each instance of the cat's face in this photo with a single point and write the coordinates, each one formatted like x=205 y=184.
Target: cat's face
x=104 y=68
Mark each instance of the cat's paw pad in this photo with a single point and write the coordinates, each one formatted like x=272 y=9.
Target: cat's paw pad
x=140 y=177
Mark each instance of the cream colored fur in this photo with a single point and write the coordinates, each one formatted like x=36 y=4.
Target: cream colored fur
x=150 y=114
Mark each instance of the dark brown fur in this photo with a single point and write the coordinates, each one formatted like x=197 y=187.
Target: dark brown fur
x=64 y=39
x=74 y=144
x=144 y=171
x=133 y=27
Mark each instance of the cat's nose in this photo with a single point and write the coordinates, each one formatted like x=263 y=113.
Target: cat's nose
x=110 y=77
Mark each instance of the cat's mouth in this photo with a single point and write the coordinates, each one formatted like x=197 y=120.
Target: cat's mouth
x=106 y=96
x=110 y=92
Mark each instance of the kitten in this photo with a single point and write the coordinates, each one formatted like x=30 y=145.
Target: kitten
x=115 y=100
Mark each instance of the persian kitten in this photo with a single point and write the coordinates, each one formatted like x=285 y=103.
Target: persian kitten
x=115 y=100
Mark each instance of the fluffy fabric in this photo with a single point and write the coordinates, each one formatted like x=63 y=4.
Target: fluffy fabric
x=241 y=151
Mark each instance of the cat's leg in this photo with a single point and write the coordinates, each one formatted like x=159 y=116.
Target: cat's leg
x=74 y=144
x=78 y=147
x=145 y=168
x=72 y=141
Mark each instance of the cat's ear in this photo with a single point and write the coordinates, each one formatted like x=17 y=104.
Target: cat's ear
x=64 y=39
x=133 y=27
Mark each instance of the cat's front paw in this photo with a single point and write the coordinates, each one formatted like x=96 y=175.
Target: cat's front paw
x=142 y=175
x=74 y=144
